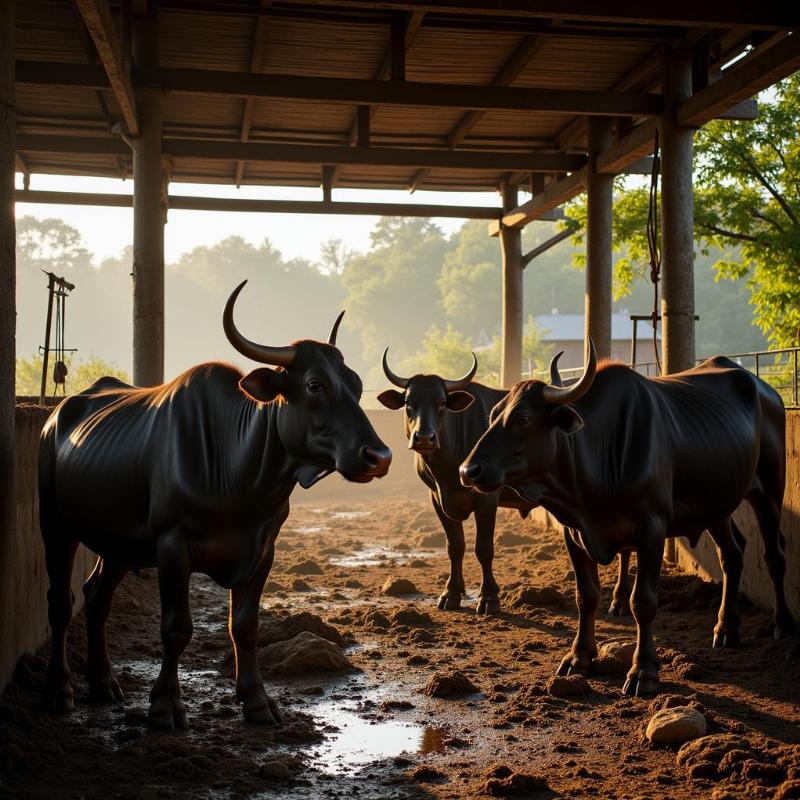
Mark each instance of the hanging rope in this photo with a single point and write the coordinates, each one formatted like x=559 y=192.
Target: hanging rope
x=60 y=367
x=653 y=245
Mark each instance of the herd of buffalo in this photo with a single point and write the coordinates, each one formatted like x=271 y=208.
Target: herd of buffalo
x=195 y=476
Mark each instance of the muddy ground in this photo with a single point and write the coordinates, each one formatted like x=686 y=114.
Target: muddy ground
x=372 y=731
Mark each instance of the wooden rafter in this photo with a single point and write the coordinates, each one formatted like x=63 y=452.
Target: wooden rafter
x=508 y=73
x=97 y=17
x=256 y=59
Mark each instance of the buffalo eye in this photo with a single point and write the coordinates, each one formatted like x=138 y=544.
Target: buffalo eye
x=314 y=386
x=521 y=419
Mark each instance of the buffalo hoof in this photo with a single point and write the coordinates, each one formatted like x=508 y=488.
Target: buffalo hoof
x=58 y=699
x=449 y=602
x=726 y=638
x=488 y=605
x=261 y=709
x=105 y=690
x=620 y=607
x=167 y=714
x=641 y=683
x=575 y=664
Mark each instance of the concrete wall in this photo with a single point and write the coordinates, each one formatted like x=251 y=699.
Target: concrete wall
x=23 y=578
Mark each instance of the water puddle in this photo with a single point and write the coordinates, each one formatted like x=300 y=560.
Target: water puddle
x=379 y=554
x=356 y=741
x=342 y=514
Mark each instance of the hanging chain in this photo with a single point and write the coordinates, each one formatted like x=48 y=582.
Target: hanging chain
x=653 y=245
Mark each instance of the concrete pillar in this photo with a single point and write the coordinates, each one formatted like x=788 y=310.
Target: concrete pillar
x=511 y=341
x=677 y=220
x=7 y=303
x=599 y=205
x=148 y=222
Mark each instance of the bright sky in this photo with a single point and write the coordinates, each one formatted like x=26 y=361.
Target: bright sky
x=107 y=230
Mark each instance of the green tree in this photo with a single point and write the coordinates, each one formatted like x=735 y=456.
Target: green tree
x=747 y=211
x=80 y=374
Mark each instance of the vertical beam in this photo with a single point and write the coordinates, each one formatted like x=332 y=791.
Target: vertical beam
x=148 y=223
x=7 y=302
x=599 y=203
x=511 y=341
x=397 y=48
x=327 y=183
x=677 y=219
x=362 y=139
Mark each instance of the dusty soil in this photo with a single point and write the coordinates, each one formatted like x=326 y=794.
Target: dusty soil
x=488 y=725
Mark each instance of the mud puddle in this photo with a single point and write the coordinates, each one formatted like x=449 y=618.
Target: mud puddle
x=379 y=554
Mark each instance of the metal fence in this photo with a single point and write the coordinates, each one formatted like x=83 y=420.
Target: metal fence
x=779 y=368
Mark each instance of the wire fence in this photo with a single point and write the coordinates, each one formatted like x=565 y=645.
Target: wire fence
x=778 y=368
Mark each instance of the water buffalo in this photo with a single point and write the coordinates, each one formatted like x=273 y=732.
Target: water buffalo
x=441 y=441
x=625 y=461
x=192 y=476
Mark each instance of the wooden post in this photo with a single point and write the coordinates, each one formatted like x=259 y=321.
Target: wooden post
x=599 y=204
x=48 y=324
x=511 y=343
x=7 y=303
x=148 y=224
x=677 y=220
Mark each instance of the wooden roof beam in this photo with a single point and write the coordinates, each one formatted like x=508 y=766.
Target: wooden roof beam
x=742 y=81
x=766 y=15
x=509 y=72
x=97 y=17
x=209 y=150
x=187 y=203
x=549 y=199
x=256 y=58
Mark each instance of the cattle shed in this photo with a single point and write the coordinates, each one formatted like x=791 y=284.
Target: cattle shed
x=546 y=98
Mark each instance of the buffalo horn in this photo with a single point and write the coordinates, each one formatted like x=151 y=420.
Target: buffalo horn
x=558 y=395
x=335 y=330
x=555 y=375
x=402 y=383
x=277 y=356
x=461 y=383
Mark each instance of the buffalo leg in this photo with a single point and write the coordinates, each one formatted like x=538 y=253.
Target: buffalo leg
x=99 y=593
x=489 y=599
x=643 y=675
x=167 y=712
x=59 y=559
x=455 y=588
x=768 y=513
x=621 y=596
x=587 y=597
x=730 y=546
x=257 y=706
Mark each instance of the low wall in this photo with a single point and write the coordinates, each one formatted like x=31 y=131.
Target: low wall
x=24 y=584
x=756 y=583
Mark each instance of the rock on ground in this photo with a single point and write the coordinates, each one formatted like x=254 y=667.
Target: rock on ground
x=450 y=684
x=397 y=587
x=534 y=597
x=307 y=567
x=568 y=686
x=504 y=782
x=411 y=617
x=619 y=649
x=306 y=652
x=275 y=770
x=675 y=726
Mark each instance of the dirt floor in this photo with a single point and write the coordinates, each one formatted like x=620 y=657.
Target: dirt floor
x=368 y=728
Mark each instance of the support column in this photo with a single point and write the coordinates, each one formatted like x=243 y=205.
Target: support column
x=677 y=220
x=511 y=342
x=599 y=213
x=148 y=223
x=7 y=312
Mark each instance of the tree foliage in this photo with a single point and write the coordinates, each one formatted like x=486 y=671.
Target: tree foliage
x=80 y=374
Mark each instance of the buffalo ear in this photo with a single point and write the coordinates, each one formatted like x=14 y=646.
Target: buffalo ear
x=263 y=384
x=391 y=398
x=459 y=400
x=567 y=418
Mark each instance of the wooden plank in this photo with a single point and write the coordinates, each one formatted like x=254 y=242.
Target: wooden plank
x=363 y=115
x=186 y=203
x=397 y=48
x=327 y=183
x=546 y=245
x=767 y=15
x=97 y=16
x=742 y=81
x=256 y=59
x=628 y=150
x=311 y=154
x=550 y=198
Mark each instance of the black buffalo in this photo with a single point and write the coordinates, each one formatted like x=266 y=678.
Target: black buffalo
x=625 y=461
x=441 y=441
x=192 y=476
